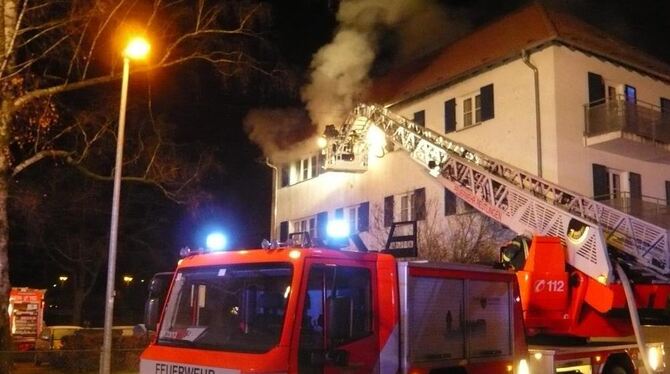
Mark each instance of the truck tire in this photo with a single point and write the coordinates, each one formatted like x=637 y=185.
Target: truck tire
x=618 y=364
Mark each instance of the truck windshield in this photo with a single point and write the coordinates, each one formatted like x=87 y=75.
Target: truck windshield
x=230 y=307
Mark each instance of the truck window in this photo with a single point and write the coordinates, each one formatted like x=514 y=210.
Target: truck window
x=457 y=318
x=337 y=310
x=489 y=318
x=228 y=307
x=436 y=317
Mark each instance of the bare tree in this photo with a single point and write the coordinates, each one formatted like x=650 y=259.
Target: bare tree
x=466 y=237
x=53 y=47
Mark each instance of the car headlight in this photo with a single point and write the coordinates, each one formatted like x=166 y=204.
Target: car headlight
x=522 y=367
x=655 y=355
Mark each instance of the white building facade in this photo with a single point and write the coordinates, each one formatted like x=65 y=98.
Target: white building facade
x=555 y=98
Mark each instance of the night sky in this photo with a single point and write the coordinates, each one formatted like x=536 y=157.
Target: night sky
x=241 y=188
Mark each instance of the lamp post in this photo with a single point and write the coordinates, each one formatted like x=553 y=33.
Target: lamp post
x=137 y=48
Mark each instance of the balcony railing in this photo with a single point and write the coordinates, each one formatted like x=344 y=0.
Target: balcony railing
x=639 y=118
x=647 y=208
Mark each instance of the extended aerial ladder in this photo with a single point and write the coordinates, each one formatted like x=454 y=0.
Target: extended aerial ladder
x=593 y=232
x=604 y=245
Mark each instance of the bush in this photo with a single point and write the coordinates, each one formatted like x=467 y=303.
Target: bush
x=81 y=351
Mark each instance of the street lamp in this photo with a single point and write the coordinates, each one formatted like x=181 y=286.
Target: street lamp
x=128 y=279
x=137 y=48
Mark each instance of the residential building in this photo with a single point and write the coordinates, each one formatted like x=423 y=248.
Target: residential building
x=555 y=97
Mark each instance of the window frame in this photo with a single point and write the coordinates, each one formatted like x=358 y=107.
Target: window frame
x=471 y=110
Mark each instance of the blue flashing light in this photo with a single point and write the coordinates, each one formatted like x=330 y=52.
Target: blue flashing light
x=337 y=229
x=216 y=241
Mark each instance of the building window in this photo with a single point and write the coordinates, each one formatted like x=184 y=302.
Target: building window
x=307 y=224
x=304 y=169
x=472 y=110
x=631 y=94
x=352 y=218
x=313 y=165
x=285 y=171
x=609 y=183
x=405 y=206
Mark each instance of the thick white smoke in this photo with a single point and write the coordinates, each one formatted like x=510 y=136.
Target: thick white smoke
x=340 y=70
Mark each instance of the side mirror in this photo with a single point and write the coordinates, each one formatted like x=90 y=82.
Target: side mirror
x=152 y=309
x=158 y=285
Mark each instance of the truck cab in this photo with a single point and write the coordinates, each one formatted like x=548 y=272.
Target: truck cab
x=319 y=310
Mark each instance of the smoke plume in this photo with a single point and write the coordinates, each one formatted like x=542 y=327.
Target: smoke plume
x=340 y=70
x=282 y=134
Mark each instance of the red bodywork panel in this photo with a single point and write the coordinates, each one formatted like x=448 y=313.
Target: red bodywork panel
x=376 y=352
x=562 y=301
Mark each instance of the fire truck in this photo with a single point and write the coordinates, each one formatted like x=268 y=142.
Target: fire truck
x=300 y=308
x=26 y=313
x=568 y=301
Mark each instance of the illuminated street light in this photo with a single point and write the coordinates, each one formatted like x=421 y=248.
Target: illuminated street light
x=137 y=48
x=127 y=279
x=62 y=279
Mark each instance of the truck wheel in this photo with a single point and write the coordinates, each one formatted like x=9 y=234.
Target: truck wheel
x=618 y=364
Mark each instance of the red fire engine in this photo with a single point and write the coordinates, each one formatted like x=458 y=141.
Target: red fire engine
x=288 y=309
x=306 y=309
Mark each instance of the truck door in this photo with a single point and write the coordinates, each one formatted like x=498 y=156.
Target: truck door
x=336 y=333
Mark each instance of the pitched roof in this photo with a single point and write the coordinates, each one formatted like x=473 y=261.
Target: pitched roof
x=530 y=28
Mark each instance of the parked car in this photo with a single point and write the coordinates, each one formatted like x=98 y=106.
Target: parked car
x=51 y=340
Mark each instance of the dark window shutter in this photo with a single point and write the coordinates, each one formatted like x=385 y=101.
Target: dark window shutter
x=364 y=217
x=339 y=213
x=450 y=116
x=283 y=231
x=596 y=89
x=601 y=183
x=488 y=111
x=449 y=203
x=420 y=118
x=419 y=207
x=665 y=106
x=388 y=211
x=321 y=224
x=635 y=182
x=667 y=193
x=284 y=175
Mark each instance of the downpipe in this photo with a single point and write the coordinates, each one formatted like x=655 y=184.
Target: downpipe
x=273 y=208
x=538 y=128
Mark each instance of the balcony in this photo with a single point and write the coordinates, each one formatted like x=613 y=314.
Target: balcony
x=637 y=130
x=647 y=208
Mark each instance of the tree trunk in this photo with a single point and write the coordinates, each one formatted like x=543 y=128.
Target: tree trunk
x=77 y=305
x=5 y=287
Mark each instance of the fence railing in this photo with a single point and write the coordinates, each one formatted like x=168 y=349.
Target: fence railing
x=637 y=117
